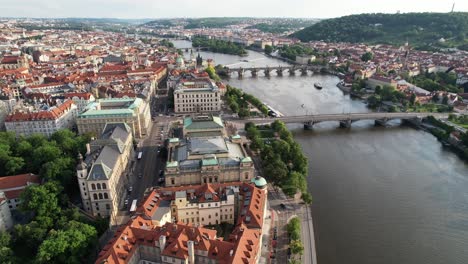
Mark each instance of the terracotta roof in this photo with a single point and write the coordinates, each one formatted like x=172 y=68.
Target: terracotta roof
x=18 y=183
x=52 y=114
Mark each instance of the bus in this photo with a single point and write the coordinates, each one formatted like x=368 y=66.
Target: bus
x=133 y=206
x=139 y=155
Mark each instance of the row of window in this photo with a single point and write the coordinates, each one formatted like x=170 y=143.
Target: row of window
x=196 y=95
x=98 y=186
x=201 y=100
x=100 y=196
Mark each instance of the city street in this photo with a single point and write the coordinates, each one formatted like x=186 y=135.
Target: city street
x=145 y=172
x=286 y=209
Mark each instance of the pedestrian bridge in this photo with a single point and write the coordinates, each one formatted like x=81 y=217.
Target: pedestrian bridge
x=345 y=119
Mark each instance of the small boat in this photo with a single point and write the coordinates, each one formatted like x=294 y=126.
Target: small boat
x=245 y=60
x=318 y=85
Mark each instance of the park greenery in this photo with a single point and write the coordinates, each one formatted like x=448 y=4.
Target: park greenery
x=268 y=49
x=367 y=56
x=442 y=131
x=284 y=164
x=421 y=30
x=53 y=232
x=291 y=51
x=283 y=26
x=212 y=72
x=440 y=81
x=240 y=102
x=460 y=120
x=213 y=22
x=294 y=232
x=166 y=43
x=220 y=46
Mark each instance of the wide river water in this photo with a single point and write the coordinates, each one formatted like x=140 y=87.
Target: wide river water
x=381 y=195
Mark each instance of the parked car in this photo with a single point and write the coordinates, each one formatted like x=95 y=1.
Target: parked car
x=126 y=203
x=140 y=175
x=130 y=189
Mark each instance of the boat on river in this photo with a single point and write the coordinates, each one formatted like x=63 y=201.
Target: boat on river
x=318 y=85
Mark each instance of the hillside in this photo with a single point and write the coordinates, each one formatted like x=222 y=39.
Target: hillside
x=423 y=30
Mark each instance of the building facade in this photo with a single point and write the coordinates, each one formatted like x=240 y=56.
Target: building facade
x=81 y=100
x=101 y=175
x=6 y=221
x=14 y=185
x=133 y=111
x=45 y=122
x=197 y=95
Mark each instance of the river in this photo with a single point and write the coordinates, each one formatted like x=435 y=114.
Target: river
x=381 y=195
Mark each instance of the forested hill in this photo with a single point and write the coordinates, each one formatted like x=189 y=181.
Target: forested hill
x=419 y=29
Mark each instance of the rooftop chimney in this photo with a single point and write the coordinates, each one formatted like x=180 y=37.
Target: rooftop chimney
x=162 y=242
x=191 y=252
x=88 y=149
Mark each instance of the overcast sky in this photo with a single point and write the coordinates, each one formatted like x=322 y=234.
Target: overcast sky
x=216 y=8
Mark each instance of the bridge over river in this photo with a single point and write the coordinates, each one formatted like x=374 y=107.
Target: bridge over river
x=303 y=69
x=345 y=119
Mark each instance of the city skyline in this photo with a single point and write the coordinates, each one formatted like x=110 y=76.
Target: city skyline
x=148 y=9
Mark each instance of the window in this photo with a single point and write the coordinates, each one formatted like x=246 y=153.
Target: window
x=203 y=219
x=108 y=206
x=209 y=216
x=99 y=186
x=100 y=196
x=104 y=186
x=246 y=175
x=93 y=186
x=95 y=196
x=106 y=196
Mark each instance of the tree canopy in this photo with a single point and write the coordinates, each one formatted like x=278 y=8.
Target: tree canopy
x=219 y=46
x=419 y=29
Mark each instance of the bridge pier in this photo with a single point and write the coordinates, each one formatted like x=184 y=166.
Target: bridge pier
x=279 y=71
x=308 y=125
x=304 y=71
x=267 y=72
x=345 y=123
x=292 y=71
x=381 y=122
x=253 y=72
x=240 y=72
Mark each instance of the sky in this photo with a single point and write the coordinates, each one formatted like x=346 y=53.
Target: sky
x=218 y=8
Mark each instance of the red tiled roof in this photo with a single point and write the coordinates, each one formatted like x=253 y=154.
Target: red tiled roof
x=17 y=181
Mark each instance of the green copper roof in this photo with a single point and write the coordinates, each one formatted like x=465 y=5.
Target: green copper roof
x=209 y=162
x=192 y=124
x=236 y=137
x=246 y=159
x=259 y=181
x=173 y=140
x=106 y=112
x=172 y=164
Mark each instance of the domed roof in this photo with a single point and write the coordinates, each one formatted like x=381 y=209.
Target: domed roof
x=259 y=182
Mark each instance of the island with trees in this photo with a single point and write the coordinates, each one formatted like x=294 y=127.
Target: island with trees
x=220 y=46
x=422 y=30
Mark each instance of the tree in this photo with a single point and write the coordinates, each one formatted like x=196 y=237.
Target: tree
x=445 y=100
x=275 y=170
x=306 y=197
x=367 y=56
x=41 y=199
x=412 y=98
x=378 y=89
x=6 y=254
x=294 y=228
x=70 y=245
x=268 y=49
x=296 y=247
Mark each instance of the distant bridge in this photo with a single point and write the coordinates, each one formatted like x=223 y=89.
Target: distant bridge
x=345 y=119
x=303 y=69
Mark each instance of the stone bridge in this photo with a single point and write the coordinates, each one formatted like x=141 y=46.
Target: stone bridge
x=304 y=69
x=345 y=119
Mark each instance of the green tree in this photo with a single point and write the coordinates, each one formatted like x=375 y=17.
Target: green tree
x=445 y=100
x=70 y=245
x=41 y=199
x=297 y=247
x=294 y=228
x=412 y=98
x=14 y=165
x=306 y=197
x=6 y=254
x=275 y=170
x=268 y=49
x=367 y=56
